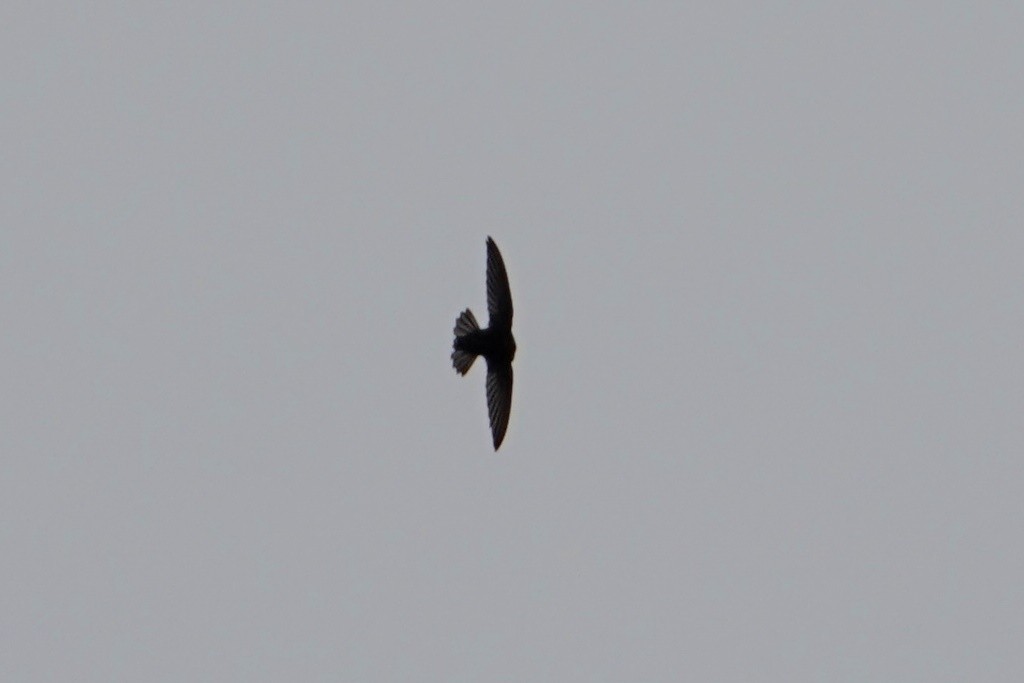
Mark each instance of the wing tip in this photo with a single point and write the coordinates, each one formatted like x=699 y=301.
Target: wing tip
x=497 y=438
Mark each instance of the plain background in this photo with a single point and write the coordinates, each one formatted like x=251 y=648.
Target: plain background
x=766 y=262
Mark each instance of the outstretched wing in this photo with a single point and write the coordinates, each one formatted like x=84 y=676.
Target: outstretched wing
x=499 y=399
x=499 y=296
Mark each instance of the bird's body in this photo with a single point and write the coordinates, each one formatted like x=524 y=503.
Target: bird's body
x=496 y=346
x=494 y=342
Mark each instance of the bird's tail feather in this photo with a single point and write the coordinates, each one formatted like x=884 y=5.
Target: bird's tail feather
x=464 y=324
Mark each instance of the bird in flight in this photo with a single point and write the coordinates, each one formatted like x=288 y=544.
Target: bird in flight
x=495 y=343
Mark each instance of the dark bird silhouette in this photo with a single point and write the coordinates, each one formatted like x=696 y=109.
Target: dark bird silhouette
x=495 y=343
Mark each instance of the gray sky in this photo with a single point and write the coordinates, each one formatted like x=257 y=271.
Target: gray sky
x=766 y=266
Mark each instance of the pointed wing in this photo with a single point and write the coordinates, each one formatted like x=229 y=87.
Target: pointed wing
x=499 y=296
x=499 y=399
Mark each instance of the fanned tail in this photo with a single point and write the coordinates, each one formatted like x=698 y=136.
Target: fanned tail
x=465 y=324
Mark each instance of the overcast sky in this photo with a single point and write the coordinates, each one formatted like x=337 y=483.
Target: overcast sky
x=766 y=265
